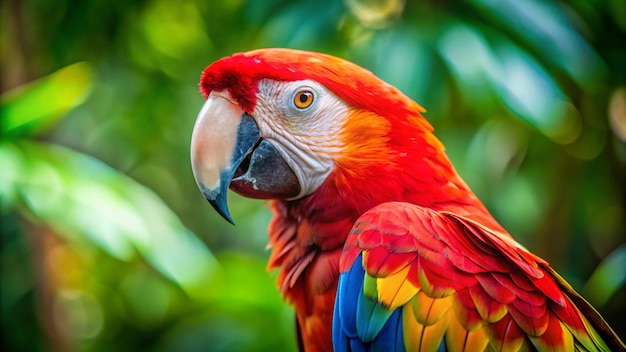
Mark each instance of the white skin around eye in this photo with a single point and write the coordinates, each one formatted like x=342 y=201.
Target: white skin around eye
x=305 y=138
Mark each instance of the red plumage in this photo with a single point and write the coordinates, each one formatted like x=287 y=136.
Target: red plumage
x=395 y=200
x=512 y=286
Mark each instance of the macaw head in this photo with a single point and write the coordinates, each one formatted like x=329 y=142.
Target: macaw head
x=278 y=123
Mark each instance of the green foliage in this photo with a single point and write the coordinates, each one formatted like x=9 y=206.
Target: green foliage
x=107 y=243
x=40 y=104
x=84 y=199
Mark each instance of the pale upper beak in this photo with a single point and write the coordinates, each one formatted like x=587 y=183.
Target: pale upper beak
x=227 y=149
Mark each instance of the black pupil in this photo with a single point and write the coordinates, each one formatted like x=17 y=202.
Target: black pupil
x=304 y=97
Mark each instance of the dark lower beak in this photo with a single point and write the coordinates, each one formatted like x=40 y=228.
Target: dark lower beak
x=227 y=150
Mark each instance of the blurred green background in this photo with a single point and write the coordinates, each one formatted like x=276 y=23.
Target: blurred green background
x=106 y=243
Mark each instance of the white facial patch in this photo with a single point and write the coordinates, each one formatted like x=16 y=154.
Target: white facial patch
x=308 y=139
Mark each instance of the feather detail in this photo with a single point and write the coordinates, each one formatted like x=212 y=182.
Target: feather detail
x=489 y=309
x=454 y=287
x=348 y=292
x=458 y=338
x=429 y=310
x=466 y=312
x=533 y=320
x=395 y=290
x=434 y=286
x=495 y=290
x=296 y=269
x=391 y=335
x=380 y=262
x=506 y=336
x=423 y=337
x=281 y=238
x=555 y=338
x=371 y=316
x=360 y=320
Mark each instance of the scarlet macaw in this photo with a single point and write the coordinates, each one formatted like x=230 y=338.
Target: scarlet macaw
x=380 y=245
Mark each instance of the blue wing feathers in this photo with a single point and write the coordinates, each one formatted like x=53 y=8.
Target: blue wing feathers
x=370 y=318
x=359 y=323
x=357 y=345
x=390 y=337
x=340 y=339
x=348 y=291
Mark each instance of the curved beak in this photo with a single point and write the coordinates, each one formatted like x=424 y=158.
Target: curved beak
x=227 y=150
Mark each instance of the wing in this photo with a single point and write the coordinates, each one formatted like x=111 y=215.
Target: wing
x=420 y=280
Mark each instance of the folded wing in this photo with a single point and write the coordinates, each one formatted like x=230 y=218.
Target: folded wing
x=416 y=279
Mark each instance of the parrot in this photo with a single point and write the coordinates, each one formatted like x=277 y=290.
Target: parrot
x=377 y=242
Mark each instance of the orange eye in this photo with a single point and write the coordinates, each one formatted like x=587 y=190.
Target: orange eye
x=303 y=99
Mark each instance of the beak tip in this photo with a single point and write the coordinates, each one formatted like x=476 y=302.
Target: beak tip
x=217 y=199
x=222 y=209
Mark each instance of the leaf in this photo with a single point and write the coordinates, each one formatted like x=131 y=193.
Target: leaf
x=550 y=32
x=83 y=199
x=516 y=78
x=608 y=278
x=33 y=108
